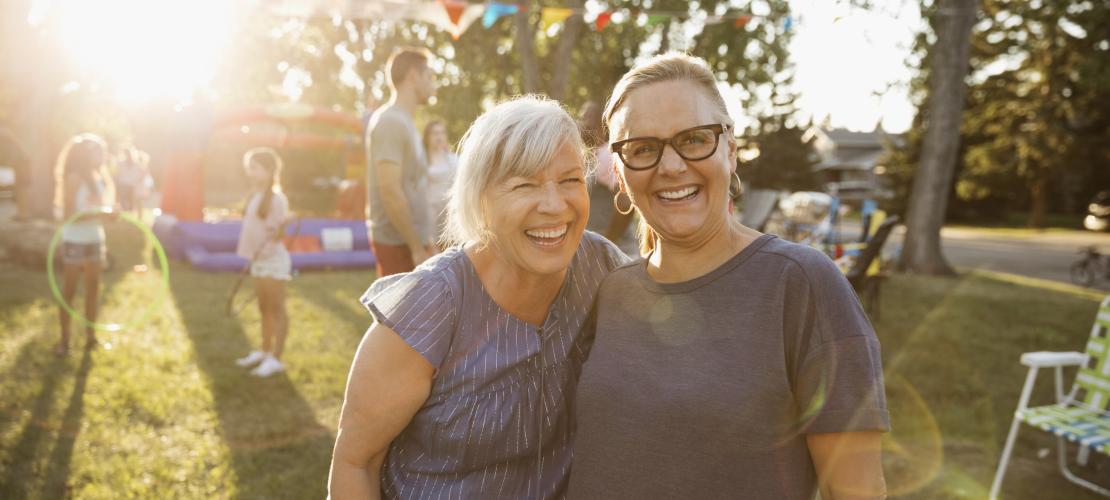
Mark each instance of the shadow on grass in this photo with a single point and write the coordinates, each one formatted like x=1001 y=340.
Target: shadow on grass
x=343 y=303
x=951 y=349
x=278 y=449
x=25 y=467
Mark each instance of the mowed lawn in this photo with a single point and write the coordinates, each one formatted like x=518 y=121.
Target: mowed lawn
x=165 y=413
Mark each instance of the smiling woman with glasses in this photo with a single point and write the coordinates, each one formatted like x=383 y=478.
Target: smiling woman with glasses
x=726 y=363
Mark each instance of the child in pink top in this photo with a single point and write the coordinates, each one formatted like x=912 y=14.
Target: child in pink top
x=260 y=241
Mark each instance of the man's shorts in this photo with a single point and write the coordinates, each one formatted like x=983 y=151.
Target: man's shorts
x=392 y=259
x=79 y=253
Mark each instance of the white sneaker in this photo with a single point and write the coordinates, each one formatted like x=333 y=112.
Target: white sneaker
x=269 y=366
x=254 y=357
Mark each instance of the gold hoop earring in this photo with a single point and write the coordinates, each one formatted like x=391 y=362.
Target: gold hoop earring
x=617 y=205
x=739 y=187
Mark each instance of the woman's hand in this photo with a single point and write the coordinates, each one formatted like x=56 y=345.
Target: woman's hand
x=388 y=383
x=849 y=464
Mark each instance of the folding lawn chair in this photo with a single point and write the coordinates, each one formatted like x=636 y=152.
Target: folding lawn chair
x=864 y=274
x=1082 y=416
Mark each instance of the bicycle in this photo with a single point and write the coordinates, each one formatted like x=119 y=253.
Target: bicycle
x=1092 y=266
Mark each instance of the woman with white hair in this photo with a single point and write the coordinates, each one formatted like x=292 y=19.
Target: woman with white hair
x=462 y=384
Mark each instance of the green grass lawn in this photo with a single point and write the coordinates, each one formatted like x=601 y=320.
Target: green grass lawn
x=165 y=413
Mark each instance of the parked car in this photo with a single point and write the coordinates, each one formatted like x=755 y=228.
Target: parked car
x=1098 y=213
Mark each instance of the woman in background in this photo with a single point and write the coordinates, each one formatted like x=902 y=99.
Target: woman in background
x=442 y=164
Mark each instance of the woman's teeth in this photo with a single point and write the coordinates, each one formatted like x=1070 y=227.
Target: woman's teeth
x=548 y=233
x=678 y=194
x=548 y=236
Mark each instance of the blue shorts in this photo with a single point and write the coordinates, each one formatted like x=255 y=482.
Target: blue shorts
x=79 y=253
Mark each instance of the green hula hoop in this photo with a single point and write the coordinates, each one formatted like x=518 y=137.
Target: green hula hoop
x=151 y=305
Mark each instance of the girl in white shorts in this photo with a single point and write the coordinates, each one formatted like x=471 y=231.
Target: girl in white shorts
x=260 y=241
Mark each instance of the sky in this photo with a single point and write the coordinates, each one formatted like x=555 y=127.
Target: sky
x=850 y=64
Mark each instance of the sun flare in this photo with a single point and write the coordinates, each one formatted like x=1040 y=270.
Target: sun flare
x=144 y=48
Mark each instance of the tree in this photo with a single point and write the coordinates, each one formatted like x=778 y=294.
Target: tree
x=921 y=252
x=573 y=63
x=785 y=160
x=1044 y=117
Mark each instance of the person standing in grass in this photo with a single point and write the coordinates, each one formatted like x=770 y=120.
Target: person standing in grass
x=270 y=265
x=442 y=164
x=82 y=183
x=402 y=233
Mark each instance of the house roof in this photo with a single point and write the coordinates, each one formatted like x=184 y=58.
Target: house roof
x=848 y=150
x=852 y=159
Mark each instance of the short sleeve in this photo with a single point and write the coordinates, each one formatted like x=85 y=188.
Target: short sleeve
x=419 y=307
x=838 y=381
x=388 y=140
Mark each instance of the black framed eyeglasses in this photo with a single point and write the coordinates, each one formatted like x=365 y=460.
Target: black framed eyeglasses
x=698 y=143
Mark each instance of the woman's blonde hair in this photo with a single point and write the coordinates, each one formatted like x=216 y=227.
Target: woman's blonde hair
x=518 y=137
x=672 y=66
x=78 y=161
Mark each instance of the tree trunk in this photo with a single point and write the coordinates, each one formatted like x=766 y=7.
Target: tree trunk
x=665 y=40
x=38 y=81
x=526 y=44
x=1039 y=194
x=564 y=49
x=921 y=252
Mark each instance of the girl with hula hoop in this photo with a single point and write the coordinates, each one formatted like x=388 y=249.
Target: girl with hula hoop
x=82 y=183
x=270 y=265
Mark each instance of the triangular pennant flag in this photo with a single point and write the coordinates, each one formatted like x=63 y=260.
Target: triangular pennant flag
x=495 y=11
x=654 y=19
x=437 y=14
x=742 y=21
x=553 y=15
x=603 y=20
x=454 y=10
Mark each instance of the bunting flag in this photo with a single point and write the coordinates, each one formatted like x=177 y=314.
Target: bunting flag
x=456 y=16
x=452 y=16
x=454 y=9
x=553 y=15
x=495 y=11
x=603 y=20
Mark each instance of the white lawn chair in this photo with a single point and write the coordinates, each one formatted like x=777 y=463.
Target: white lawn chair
x=1081 y=416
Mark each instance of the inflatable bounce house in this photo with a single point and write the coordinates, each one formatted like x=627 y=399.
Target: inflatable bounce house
x=337 y=243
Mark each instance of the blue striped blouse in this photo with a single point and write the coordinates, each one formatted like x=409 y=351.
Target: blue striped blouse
x=497 y=394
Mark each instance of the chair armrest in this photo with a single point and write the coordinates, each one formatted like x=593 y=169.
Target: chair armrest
x=1042 y=359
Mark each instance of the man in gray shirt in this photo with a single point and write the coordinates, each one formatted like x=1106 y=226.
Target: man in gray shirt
x=401 y=229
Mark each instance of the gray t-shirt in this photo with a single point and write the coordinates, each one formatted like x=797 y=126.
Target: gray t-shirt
x=707 y=388
x=391 y=136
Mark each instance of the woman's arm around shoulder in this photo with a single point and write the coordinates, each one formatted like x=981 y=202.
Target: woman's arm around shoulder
x=388 y=383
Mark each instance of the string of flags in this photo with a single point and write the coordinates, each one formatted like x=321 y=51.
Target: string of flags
x=457 y=16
